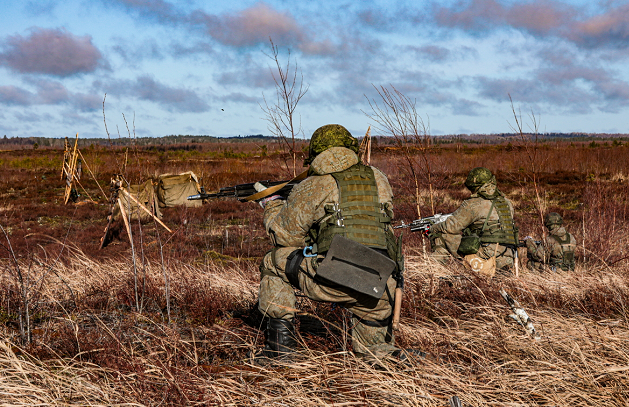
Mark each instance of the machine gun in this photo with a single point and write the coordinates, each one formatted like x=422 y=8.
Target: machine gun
x=423 y=225
x=243 y=191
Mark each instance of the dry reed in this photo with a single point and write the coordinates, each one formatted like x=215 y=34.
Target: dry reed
x=481 y=355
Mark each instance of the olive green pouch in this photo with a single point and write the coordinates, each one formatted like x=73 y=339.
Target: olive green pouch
x=470 y=243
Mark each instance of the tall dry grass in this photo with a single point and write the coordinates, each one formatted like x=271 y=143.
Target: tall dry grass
x=100 y=352
x=27 y=381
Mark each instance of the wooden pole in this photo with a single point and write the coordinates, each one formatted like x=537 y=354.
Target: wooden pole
x=397 y=308
x=145 y=209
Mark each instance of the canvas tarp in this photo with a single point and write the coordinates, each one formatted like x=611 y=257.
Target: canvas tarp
x=143 y=193
x=174 y=189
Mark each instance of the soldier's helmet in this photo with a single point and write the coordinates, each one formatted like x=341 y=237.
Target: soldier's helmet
x=552 y=219
x=328 y=136
x=478 y=177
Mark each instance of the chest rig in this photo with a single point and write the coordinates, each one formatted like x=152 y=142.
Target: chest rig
x=357 y=216
x=501 y=231
x=566 y=261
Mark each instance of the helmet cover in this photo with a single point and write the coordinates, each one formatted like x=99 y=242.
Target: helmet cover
x=478 y=177
x=328 y=136
x=552 y=218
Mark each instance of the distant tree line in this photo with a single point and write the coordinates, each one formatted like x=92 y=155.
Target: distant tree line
x=170 y=140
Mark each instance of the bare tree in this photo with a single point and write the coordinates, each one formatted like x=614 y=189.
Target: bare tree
x=535 y=161
x=289 y=89
x=396 y=115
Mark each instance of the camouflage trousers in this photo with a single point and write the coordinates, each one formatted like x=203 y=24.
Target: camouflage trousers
x=445 y=245
x=277 y=300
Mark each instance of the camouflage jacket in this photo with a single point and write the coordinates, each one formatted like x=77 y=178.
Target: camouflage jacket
x=549 y=251
x=288 y=221
x=472 y=212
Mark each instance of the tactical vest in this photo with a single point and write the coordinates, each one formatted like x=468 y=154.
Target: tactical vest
x=501 y=231
x=566 y=261
x=357 y=216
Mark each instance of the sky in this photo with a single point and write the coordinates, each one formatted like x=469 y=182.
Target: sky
x=152 y=68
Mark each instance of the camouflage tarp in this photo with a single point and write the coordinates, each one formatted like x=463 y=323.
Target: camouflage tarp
x=174 y=189
x=143 y=193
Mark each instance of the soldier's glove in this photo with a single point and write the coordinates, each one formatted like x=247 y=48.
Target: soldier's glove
x=262 y=202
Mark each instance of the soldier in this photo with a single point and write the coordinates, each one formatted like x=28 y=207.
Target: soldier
x=557 y=249
x=482 y=225
x=341 y=196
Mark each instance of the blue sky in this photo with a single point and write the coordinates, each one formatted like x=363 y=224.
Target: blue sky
x=201 y=67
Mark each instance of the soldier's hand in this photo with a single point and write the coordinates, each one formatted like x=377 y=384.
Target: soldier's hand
x=263 y=202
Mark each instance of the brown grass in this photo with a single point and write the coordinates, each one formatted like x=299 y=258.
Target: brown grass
x=93 y=344
x=112 y=354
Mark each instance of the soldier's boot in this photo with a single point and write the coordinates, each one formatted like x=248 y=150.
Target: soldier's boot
x=376 y=344
x=279 y=343
x=440 y=252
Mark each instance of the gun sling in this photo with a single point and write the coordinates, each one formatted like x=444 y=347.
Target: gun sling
x=271 y=190
x=353 y=265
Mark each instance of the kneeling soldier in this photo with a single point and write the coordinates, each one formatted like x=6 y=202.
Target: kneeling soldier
x=557 y=249
x=343 y=207
x=483 y=224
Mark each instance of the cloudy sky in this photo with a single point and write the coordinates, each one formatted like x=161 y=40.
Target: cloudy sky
x=202 y=67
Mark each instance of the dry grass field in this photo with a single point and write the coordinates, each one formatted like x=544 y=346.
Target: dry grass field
x=170 y=320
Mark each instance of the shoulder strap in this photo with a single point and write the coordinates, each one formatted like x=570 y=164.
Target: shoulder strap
x=488 y=215
x=560 y=240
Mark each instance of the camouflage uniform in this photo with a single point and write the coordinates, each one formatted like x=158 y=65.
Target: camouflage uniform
x=445 y=237
x=288 y=223
x=556 y=250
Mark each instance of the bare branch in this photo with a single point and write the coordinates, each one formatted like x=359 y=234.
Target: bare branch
x=395 y=115
x=280 y=115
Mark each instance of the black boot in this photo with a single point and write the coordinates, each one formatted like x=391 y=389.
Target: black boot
x=279 y=340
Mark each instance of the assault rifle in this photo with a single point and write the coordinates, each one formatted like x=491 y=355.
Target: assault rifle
x=423 y=225
x=249 y=192
x=243 y=191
